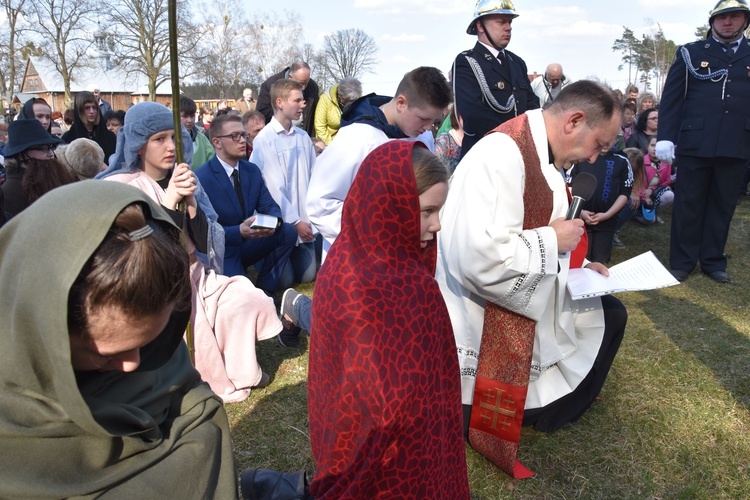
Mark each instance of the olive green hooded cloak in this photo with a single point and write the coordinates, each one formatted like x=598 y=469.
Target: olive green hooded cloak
x=158 y=432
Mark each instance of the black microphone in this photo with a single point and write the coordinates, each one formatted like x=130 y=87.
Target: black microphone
x=583 y=187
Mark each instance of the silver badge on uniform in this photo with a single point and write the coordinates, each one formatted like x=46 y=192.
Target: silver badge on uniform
x=704 y=64
x=501 y=85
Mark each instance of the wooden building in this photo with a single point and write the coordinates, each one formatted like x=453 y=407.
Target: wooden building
x=117 y=87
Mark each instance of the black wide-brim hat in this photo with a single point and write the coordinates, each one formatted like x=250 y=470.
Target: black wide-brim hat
x=25 y=134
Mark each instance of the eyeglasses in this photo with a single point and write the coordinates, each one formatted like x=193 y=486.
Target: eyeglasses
x=46 y=148
x=236 y=136
x=653 y=117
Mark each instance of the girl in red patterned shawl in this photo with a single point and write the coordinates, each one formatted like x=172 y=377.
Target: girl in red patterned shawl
x=383 y=386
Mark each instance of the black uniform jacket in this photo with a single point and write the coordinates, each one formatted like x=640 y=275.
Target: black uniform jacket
x=479 y=117
x=708 y=117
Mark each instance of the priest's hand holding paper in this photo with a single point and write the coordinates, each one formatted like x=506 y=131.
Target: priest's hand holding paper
x=643 y=272
x=568 y=233
x=598 y=267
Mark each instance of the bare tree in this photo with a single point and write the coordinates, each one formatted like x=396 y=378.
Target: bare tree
x=8 y=59
x=63 y=28
x=275 y=41
x=143 y=38
x=318 y=67
x=349 y=52
x=225 y=58
x=8 y=64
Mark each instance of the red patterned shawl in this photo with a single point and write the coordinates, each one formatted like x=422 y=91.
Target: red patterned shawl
x=384 y=393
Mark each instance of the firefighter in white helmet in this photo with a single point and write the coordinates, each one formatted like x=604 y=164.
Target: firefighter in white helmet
x=490 y=83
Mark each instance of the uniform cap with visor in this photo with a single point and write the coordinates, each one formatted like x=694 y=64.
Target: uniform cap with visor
x=490 y=7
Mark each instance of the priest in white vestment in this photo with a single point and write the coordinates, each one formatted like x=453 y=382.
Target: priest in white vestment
x=486 y=255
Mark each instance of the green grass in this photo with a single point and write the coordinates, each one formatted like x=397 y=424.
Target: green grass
x=674 y=420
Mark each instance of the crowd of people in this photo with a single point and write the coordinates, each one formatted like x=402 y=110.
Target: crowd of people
x=433 y=221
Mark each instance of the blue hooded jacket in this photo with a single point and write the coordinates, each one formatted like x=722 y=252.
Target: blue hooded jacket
x=366 y=109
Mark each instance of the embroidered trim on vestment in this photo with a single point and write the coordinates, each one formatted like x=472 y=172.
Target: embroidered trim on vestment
x=468 y=352
x=531 y=288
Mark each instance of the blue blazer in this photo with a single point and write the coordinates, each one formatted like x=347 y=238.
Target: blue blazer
x=220 y=191
x=708 y=117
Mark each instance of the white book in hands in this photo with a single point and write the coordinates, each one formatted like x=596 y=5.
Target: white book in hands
x=643 y=272
x=263 y=221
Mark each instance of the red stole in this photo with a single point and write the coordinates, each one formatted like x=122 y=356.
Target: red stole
x=507 y=337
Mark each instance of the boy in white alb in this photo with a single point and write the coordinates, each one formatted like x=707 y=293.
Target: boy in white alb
x=421 y=98
x=286 y=155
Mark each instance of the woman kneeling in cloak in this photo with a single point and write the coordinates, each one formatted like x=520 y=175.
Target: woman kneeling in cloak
x=99 y=395
x=384 y=395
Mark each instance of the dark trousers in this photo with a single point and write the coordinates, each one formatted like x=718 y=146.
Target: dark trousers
x=569 y=408
x=705 y=197
x=273 y=251
x=600 y=244
x=745 y=180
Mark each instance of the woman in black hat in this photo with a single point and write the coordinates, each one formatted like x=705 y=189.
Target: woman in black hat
x=32 y=169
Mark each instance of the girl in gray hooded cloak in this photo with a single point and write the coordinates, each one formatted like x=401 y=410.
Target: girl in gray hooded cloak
x=229 y=313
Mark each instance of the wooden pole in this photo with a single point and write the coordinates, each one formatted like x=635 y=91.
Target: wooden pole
x=175 y=77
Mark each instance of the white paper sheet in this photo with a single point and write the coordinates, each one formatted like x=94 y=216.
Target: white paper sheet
x=643 y=272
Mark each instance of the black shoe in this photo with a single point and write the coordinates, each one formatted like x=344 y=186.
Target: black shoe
x=718 y=276
x=617 y=242
x=265 y=379
x=264 y=484
x=289 y=336
x=679 y=274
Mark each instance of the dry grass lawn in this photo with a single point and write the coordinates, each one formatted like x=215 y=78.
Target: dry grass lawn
x=674 y=420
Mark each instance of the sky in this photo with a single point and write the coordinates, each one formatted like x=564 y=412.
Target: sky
x=577 y=34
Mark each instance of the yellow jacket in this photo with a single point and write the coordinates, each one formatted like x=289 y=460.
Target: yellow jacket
x=328 y=116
